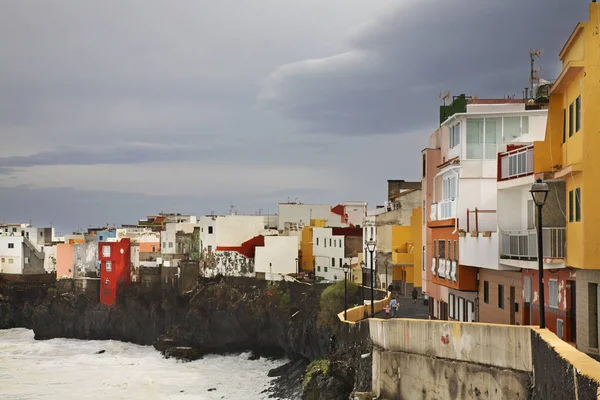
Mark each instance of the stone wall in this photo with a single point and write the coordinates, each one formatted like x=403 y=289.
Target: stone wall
x=585 y=310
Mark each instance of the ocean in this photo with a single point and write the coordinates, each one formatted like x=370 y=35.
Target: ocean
x=70 y=369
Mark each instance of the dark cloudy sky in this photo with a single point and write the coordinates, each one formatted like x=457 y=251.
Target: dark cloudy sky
x=111 y=110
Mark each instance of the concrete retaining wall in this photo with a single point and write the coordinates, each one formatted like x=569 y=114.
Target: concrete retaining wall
x=469 y=342
x=423 y=359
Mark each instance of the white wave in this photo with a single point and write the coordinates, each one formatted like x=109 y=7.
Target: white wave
x=69 y=369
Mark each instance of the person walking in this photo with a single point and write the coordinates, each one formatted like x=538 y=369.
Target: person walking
x=394 y=305
x=415 y=294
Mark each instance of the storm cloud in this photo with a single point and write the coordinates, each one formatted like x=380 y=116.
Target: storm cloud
x=389 y=78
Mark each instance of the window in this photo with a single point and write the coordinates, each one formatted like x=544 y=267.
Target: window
x=329 y=242
x=564 y=125
x=209 y=248
x=501 y=296
x=324 y=269
x=424 y=164
x=461 y=309
x=210 y=230
x=423 y=259
x=571 y=206
x=451 y=305
x=11 y=245
x=325 y=242
x=340 y=243
x=14 y=230
x=335 y=243
x=449 y=190
x=105 y=251
x=449 y=252
x=442 y=249
x=371 y=232
x=108 y=266
x=319 y=268
x=578 y=204
x=455 y=253
x=340 y=264
x=10 y=261
x=164 y=245
x=493 y=132
x=571 y=120
x=470 y=311
x=3 y=259
x=559 y=328
x=527 y=289
x=26 y=260
x=475 y=138
x=170 y=245
x=553 y=293
x=578 y=113
x=454 y=137
x=41 y=234
x=486 y=292
x=332 y=262
x=154 y=249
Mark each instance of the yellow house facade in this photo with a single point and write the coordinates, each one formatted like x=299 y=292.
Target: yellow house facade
x=407 y=256
x=307 y=258
x=570 y=154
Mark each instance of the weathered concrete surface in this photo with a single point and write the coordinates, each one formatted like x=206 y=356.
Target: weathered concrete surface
x=502 y=346
x=560 y=371
x=399 y=375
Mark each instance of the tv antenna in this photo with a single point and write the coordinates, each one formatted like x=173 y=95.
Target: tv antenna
x=534 y=76
x=444 y=97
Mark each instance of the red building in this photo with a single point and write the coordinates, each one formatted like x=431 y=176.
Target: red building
x=115 y=268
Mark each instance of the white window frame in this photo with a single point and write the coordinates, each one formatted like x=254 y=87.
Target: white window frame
x=451 y=304
x=454 y=136
x=552 y=295
x=11 y=245
x=26 y=260
x=105 y=251
x=108 y=266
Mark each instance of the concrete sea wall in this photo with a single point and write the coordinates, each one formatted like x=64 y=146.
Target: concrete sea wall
x=423 y=359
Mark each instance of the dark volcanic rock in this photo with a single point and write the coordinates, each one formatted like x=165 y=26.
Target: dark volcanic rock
x=336 y=383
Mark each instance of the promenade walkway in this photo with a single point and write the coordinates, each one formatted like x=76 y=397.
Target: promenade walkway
x=408 y=309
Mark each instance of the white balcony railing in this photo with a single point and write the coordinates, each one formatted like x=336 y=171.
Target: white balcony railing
x=443 y=209
x=523 y=244
x=516 y=163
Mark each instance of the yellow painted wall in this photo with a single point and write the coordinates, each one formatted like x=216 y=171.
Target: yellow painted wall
x=590 y=118
x=580 y=151
x=407 y=249
x=416 y=220
x=307 y=249
x=318 y=223
x=357 y=270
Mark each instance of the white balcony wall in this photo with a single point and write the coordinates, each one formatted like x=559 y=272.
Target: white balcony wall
x=515 y=209
x=475 y=193
x=479 y=251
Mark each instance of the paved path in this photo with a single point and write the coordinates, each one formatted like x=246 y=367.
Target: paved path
x=408 y=309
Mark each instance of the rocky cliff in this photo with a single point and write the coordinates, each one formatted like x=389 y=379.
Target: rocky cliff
x=218 y=316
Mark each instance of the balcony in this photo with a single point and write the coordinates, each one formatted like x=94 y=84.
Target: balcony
x=522 y=245
x=515 y=163
x=444 y=209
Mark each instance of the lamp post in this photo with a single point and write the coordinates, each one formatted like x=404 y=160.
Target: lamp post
x=386 y=274
x=363 y=280
x=297 y=268
x=539 y=192
x=371 y=247
x=346 y=269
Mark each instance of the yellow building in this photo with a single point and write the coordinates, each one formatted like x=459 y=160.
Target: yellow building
x=569 y=154
x=407 y=257
x=307 y=258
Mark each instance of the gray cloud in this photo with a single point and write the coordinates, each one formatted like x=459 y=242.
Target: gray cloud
x=390 y=76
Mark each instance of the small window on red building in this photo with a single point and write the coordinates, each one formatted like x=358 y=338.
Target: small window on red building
x=106 y=282
x=106 y=251
x=108 y=266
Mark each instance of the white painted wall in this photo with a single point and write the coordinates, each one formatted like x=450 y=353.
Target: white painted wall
x=11 y=259
x=49 y=258
x=208 y=238
x=357 y=211
x=278 y=255
x=301 y=214
x=328 y=250
x=479 y=251
x=233 y=230
x=168 y=236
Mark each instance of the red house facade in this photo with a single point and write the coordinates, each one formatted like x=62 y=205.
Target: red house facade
x=115 y=268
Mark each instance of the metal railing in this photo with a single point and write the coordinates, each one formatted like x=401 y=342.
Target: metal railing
x=523 y=244
x=516 y=163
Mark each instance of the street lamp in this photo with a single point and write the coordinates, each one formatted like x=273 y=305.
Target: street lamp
x=386 y=274
x=297 y=268
x=346 y=269
x=371 y=248
x=363 y=280
x=539 y=192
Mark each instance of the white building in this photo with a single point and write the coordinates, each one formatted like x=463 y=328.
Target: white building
x=230 y=241
x=279 y=256
x=328 y=250
x=19 y=256
x=295 y=216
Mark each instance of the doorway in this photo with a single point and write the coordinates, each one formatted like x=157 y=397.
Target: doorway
x=512 y=305
x=572 y=296
x=527 y=318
